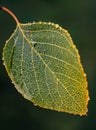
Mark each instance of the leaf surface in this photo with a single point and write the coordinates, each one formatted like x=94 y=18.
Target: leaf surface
x=44 y=65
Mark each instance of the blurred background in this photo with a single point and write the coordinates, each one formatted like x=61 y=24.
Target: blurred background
x=79 y=18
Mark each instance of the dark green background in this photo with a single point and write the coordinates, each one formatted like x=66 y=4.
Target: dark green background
x=79 y=18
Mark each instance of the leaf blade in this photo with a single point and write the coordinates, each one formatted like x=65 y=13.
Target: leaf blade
x=48 y=62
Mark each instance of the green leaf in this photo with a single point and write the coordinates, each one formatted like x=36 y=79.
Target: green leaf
x=44 y=65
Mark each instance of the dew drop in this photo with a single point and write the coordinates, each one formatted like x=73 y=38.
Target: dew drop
x=73 y=46
x=35 y=104
x=84 y=75
x=3 y=63
x=6 y=41
x=44 y=51
x=40 y=22
x=20 y=73
x=32 y=93
x=3 y=58
x=57 y=26
x=49 y=23
x=33 y=43
x=88 y=98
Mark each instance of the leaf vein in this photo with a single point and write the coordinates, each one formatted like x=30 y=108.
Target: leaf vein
x=50 y=69
x=58 y=80
x=50 y=31
x=22 y=59
x=55 y=45
x=32 y=57
x=49 y=88
x=61 y=61
x=68 y=77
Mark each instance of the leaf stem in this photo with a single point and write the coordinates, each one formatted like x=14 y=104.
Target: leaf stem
x=10 y=12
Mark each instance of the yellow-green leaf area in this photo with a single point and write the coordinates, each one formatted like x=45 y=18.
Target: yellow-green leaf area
x=44 y=65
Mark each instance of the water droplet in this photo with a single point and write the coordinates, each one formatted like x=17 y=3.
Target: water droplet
x=3 y=63
x=35 y=104
x=40 y=22
x=33 y=43
x=49 y=23
x=57 y=26
x=3 y=58
x=84 y=75
x=88 y=98
x=44 y=51
x=73 y=46
x=6 y=41
x=20 y=73
x=32 y=93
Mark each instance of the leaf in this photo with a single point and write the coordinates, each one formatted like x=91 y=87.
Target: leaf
x=44 y=65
